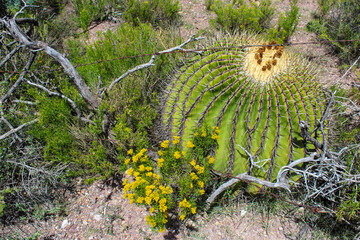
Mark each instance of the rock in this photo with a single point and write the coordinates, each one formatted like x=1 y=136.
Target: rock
x=65 y=223
x=97 y=217
x=242 y=213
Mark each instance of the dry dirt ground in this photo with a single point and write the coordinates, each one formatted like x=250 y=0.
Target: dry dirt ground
x=100 y=212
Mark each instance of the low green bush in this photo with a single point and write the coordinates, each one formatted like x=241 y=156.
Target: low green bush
x=157 y=12
x=286 y=25
x=339 y=20
x=239 y=16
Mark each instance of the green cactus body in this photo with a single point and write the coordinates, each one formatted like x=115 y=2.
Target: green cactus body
x=256 y=96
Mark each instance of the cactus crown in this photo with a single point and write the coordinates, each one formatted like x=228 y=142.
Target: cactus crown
x=256 y=96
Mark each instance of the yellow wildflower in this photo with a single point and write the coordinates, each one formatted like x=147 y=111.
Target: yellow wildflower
x=202 y=191
x=165 y=144
x=130 y=152
x=216 y=129
x=125 y=181
x=215 y=137
x=160 y=153
x=184 y=203
x=183 y=153
x=129 y=171
x=142 y=151
x=139 y=199
x=160 y=162
x=190 y=144
x=136 y=174
x=193 y=210
x=177 y=155
x=200 y=170
x=194 y=176
x=162 y=229
x=211 y=160
x=148 y=169
x=141 y=168
x=182 y=216
x=203 y=134
x=148 y=200
x=191 y=185
x=149 y=174
x=127 y=160
x=176 y=140
x=135 y=158
x=201 y=184
x=151 y=210
x=193 y=163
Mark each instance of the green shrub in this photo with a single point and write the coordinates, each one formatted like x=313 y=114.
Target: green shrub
x=286 y=24
x=340 y=22
x=157 y=12
x=88 y=11
x=177 y=183
x=240 y=16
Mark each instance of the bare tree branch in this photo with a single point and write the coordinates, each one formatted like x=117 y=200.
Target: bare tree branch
x=17 y=83
x=12 y=131
x=69 y=69
x=50 y=93
x=7 y=57
x=151 y=62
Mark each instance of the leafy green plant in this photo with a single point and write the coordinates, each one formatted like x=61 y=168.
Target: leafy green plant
x=178 y=181
x=339 y=21
x=88 y=10
x=256 y=96
x=157 y=12
x=286 y=24
x=240 y=16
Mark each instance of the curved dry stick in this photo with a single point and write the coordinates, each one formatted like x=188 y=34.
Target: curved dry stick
x=69 y=69
x=12 y=131
x=151 y=62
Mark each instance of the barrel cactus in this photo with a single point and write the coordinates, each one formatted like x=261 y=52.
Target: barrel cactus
x=257 y=96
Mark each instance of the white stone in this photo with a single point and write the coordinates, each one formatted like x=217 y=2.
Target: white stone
x=242 y=213
x=65 y=223
x=97 y=217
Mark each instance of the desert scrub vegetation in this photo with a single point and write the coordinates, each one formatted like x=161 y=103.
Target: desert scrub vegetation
x=59 y=136
x=89 y=112
x=249 y=16
x=338 y=20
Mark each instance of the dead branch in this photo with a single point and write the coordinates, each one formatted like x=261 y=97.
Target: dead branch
x=12 y=53
x=69 y=69
x=17 y=83
x=14 y=130
x=50 y=93
x=151 y=62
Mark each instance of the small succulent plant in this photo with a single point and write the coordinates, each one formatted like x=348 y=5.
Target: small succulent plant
x=257 y=96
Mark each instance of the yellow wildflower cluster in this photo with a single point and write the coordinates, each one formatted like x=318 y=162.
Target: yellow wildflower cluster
x=165 y=144
x=185 y=206
x=177 y=155
x=160 y=162
x=215 y=135
x=143 y=186
x=176 y=140
x=211 y=160
x=190 y=144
